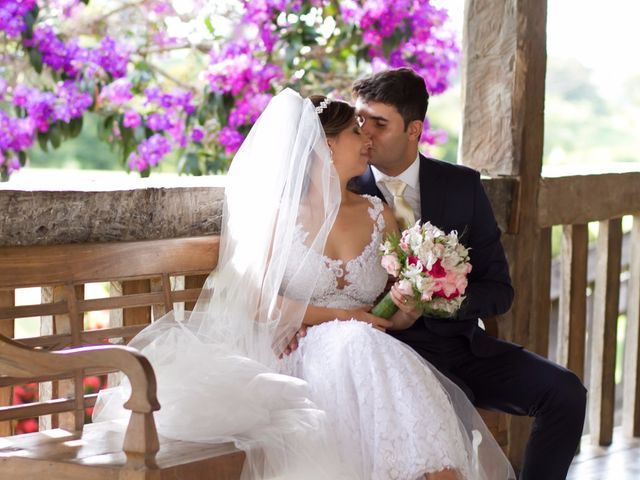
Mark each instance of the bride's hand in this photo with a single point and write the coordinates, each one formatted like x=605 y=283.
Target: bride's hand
x=293 y=344
x=362 y=314
x=405 y=303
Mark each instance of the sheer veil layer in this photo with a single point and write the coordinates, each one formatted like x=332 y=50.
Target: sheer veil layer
x=216 y=367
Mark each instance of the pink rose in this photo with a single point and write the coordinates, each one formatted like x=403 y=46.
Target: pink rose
x=427 y=295
x=391 y=264
x=405 y=288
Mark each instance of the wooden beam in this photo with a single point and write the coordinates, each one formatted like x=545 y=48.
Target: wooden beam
x=503 y=73
x=605 y=321
x=488 y=67
x=566 y=200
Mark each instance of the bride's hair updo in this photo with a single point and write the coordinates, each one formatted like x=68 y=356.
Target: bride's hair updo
x=335 y=115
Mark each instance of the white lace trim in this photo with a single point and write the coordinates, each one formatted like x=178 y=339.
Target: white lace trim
x=364 y=277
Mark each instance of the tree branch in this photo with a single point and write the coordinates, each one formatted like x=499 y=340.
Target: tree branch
x=167 y=75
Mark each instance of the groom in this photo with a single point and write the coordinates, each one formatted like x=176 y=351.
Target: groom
x=495 y=374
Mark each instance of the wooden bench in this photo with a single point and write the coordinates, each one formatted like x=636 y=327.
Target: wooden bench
x=143 y=271
x=142 y=274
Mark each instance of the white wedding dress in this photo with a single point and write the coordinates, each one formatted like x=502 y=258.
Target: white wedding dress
x=388 y=411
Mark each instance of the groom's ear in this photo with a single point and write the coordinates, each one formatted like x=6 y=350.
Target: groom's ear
x=415 y=129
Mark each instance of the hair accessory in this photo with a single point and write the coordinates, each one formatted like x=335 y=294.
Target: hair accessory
x=323 y=104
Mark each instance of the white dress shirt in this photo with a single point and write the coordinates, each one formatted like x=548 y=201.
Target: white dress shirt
x=411 y=176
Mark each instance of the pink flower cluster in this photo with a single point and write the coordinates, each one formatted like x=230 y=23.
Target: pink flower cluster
x=430 y=265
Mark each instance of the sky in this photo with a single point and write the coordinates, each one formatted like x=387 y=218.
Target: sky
x=603 y=36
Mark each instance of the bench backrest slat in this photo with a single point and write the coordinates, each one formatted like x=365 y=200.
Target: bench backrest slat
x=86 y=263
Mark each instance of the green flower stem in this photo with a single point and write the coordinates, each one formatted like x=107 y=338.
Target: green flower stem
x=385 y=308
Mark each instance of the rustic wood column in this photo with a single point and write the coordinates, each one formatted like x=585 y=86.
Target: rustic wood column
x=7 y=328
x=503 y=87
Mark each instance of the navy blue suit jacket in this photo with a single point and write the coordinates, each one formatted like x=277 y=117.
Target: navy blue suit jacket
x=452 y=198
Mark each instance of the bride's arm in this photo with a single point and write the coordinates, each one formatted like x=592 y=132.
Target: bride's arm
x=317 y=315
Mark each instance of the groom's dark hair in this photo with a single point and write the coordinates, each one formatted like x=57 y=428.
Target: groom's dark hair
x=402 y=88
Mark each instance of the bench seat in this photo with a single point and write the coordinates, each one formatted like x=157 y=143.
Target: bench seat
x=60 y=454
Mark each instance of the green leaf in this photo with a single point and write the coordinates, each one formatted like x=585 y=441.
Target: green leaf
x=35 y=58
x=43 y=138
x=75 y=127
x=22 y=156
x=64 y=129
x=55 y=135
x=190 y=164
x=209 y=25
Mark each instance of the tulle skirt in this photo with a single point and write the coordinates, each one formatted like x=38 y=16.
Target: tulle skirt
x=351 y=403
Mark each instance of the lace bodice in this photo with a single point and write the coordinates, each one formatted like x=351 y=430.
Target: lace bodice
x=363 y=276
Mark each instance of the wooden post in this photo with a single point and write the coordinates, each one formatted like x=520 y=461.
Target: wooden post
x=138 y=315
x=572 y=320
x=71 y=324
x=7 y=328
x=503 y=89
x=605 y=319
x=631 y=374
x=539 y=330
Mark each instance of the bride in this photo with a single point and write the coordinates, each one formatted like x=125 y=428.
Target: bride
x=298 y=260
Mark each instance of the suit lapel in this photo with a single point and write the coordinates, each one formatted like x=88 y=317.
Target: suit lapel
x=433 y=192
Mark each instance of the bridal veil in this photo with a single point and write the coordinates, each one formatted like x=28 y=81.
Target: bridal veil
x=217 y=367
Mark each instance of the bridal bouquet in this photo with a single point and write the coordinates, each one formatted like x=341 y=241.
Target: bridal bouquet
x=430 y=265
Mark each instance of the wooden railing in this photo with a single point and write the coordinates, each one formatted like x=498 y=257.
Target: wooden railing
x=574 y=202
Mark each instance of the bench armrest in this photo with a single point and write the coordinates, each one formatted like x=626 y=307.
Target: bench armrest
x=141 y=439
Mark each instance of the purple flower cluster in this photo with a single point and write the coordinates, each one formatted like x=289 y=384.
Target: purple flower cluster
x=236 y=70
x=16 y=134
x=72 y=59
x=426 y=44
x=149 y=153
x=230 y=139
x=12 y=14
x=177 y=98
x=117 y=92
x=166 y=117
x=9 y=164
x=44 y=108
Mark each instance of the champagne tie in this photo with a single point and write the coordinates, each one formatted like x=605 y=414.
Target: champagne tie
x=401 y=208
